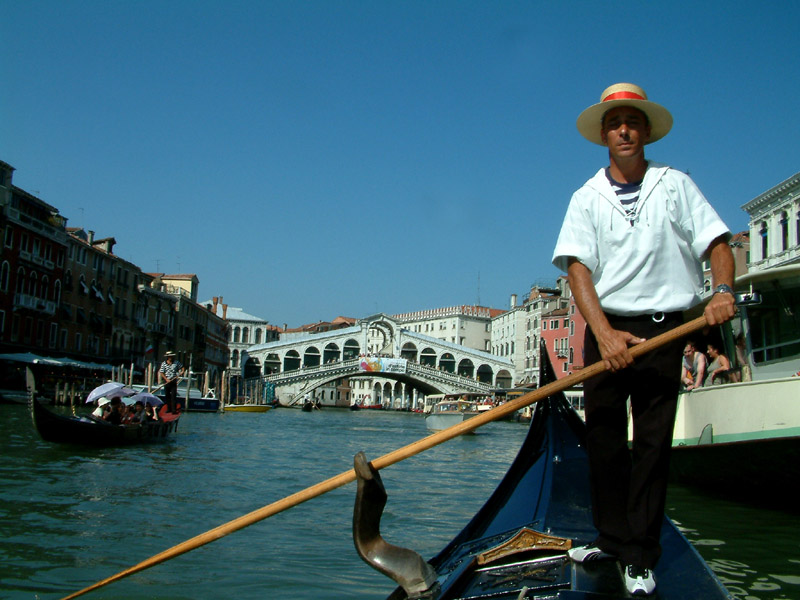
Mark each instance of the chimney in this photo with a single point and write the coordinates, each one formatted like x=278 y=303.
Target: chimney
x=225 y=311
x=215 y=299
x=91 y=237
x=513 y=301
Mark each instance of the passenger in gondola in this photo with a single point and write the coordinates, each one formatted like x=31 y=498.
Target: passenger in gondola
x=114 y=416
x=102 y=407
x=138 y=415
x=150 y=413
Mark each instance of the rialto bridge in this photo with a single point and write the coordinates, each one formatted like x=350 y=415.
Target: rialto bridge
x=374 y=361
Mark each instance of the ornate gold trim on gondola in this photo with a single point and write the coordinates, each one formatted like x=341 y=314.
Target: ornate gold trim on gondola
x=525 y=540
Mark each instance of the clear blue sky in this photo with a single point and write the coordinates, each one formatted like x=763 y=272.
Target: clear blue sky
x=314 y=159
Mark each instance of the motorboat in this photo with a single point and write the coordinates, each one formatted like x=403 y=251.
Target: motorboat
x=741 y=436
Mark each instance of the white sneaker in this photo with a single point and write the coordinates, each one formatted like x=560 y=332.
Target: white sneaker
x=587 y=553
x=639 y=581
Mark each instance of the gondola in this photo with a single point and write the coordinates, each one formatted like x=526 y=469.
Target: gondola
x=515 y=546
x=87 y=431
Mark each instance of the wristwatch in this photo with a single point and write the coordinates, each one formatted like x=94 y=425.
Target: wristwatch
x=723 y=288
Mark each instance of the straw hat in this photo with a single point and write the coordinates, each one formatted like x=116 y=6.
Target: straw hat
x=624 y=94
x=169 y=353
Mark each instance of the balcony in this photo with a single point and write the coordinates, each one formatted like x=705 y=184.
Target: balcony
x=26 y=301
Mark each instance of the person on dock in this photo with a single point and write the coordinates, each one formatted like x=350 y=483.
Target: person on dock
x=632 y=243
x=169 y=373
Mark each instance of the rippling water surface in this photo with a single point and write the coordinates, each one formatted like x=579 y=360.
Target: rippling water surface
x=70 y=517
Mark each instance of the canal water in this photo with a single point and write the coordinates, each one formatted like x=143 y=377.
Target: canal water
x=70 y=517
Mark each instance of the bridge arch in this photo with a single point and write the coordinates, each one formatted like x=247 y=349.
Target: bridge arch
x=331 y=353
x=466 y=368
x=251 y=367
x=409 y=351
x=447 y=362
x=428 y=357
x=272 y=364
x=485 y=373
x=291 y=361
x=351 y=349
x=311 y=357
x=503 y=379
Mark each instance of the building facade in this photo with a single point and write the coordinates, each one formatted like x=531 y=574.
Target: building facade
x=465 y=325
x=775 y=225
x=243 y=330
x=32 y=261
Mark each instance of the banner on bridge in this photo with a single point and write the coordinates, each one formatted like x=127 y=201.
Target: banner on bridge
x=376 y=364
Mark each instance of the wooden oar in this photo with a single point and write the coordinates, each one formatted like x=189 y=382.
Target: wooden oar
x=395 y=456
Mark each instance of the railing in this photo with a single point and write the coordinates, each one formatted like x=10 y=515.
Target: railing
x=353 y=366
x=33 y=303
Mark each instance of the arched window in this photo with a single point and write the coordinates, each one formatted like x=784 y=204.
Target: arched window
x=237 y=332
x=235 y=358
x=57 y=291
x=245 y=334
x=45 y=287
x=33 y=284
x=5 y=274
x=258 y=336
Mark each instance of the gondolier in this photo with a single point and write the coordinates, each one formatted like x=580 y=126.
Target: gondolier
x=632 y=243
x=169 y=373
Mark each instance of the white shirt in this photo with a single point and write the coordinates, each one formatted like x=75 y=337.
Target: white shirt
x=650 y=263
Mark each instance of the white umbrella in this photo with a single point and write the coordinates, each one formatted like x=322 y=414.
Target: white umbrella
x=112 y=389
x=145 y=398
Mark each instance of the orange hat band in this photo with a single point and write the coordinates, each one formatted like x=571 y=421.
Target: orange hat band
x=623 y=96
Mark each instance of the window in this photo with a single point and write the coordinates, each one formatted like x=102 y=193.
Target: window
x=53 y=334
x=784 y=232
x=797 y=229
x=764 y=240
x=14 y=328
x=5 y=274
x=9 y=237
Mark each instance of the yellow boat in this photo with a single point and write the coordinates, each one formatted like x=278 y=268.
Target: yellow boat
x=250 y=407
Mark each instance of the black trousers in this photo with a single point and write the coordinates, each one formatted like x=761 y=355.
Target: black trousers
x=629 y=483
x=171 y=395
